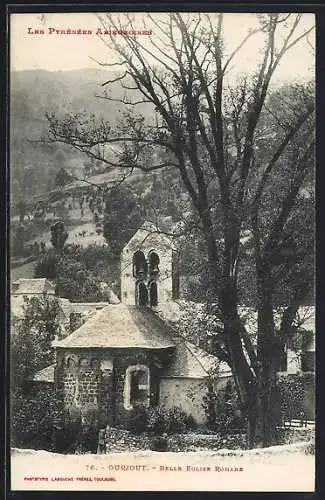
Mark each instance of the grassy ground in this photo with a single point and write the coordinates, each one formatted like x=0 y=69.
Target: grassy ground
x=81 y=229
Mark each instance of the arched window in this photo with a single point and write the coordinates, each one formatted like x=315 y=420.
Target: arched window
x=140 y=267
x=94 y=363
x=71 y=363
x=136 y=386
x=141 y=294
x=153 y=294
x=153 y=259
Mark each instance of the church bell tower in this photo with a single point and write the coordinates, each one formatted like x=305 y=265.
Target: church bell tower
x=147 y=269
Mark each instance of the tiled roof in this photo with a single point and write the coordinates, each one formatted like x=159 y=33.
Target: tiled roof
x=32 y=286
x=190 y=361
x=80 y=307
x=45 y=375
x=18 y=303
x=121 y=326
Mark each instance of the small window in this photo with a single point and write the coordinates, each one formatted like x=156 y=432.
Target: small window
x=153 y=294
x=141 y=294
x=137 y=386
x=71 y=363
x=83 y=363
x=94 y=363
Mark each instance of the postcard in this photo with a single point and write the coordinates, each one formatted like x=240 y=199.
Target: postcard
x=162 y=212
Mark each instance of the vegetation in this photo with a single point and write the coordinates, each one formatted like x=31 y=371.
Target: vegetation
x=138 y=420
x=31 y=351
x=31 y=338
x=59 y=235
x=122 y=218
x=223 y=410
x=62 y=178
x=170 y=421
x=292 y=392
x=159 y=421
x=78 y=272
x=245 y=154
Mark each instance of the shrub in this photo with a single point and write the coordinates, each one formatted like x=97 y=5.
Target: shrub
x=66 y=434
x=179 y=421
x=287 y=435
x=169 y=421
x=138 y=420
x=159 y=443
x=52 y=430
x=222 y=409
x=209 y=406
x=46 y=266
x=292 y=392
x=157 y=421
x=89 y=438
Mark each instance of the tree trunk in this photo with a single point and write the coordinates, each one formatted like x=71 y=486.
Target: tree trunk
x=267 y=352
x=244 y=377
x=254 y=389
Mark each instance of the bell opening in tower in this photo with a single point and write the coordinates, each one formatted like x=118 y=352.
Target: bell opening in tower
x=154 y=260
x=140 y=266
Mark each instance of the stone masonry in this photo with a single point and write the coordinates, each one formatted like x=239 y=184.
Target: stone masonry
x=92 y=382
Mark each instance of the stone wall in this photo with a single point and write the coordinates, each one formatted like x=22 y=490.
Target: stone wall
x=92 y=382
x=84 y=378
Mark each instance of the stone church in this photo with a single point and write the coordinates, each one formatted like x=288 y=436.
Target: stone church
x=127 y=353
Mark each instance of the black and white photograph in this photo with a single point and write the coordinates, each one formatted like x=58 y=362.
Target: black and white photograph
x=162 y=251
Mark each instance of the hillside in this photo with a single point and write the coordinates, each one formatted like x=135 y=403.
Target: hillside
x=37 y=92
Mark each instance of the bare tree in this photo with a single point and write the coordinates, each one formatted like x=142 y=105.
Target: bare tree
x=229 y=145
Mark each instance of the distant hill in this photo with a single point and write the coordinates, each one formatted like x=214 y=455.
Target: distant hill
x=35 y=92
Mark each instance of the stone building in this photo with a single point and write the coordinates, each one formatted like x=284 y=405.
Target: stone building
x=126 y=354
x=25 y=289
x=129 y=351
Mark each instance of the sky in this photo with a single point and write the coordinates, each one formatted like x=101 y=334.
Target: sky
x=53 y=52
